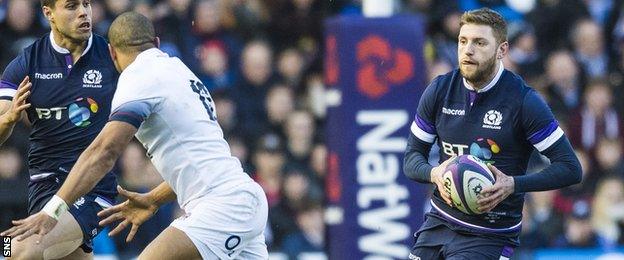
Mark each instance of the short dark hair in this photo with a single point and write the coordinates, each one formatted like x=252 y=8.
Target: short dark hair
x=489 y=17
x=48 y=3
x=132 y=32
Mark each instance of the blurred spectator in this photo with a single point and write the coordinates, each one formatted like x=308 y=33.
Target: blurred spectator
x=280 y=103
x=523 y=49
x=290 y=67
x=215 y=72
x=318 y=163
x=226 y=112
x=589 y=48
x=250 y=93
x=609 y=157
x=578 y=231
x=214 y=49
x=99 y=19
x=310 y=237
x=174 y=29
x=531 y=235
x=13 y=179
x=608 y=211
x=269 y=162
x=439 y=67
x=297 y=23
x=445 y=41
x=295 y=192
x=553 y=20
x=18 y=30
x=601 y=10
x=300 y=130
x=597 y=118
x=565 y=83
x=144 y=7
x=545 y=216
x=240 y=151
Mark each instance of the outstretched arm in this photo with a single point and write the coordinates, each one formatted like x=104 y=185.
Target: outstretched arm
x=97 y=160
x=91 y=167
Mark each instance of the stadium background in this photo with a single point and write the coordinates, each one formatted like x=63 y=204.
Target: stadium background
x=263 y=61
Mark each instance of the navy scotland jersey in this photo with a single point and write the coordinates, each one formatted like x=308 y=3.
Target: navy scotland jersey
x=70 y=103
x=502 y=123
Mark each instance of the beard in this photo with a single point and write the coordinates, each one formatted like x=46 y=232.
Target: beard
x=482 y=72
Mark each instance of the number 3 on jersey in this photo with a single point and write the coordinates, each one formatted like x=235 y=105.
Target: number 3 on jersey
x=205 y=98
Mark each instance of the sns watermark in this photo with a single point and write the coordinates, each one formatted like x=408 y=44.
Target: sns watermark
x=6 y=246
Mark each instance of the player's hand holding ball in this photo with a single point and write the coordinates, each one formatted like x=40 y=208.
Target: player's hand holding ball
x=493 y=195
x=437 y=178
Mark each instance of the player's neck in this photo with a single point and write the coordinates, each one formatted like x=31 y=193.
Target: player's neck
x=126 y=59
x=75 y=48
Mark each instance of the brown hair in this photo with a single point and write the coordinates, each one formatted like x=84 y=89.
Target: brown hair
x=48 y=3
x=489 y=17
x=132 y=32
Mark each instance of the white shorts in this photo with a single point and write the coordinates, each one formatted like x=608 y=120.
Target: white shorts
x=228 y=223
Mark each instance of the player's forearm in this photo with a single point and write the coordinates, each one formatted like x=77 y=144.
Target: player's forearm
x=162 y=194
x=415 y=164
x=564 y=170
x=92 y=165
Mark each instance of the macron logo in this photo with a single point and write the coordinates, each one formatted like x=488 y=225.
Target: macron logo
x=49 y=76
x=453 y=112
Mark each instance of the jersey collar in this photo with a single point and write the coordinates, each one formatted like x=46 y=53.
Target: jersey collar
x=489 y=85
x=62 y=50
x=152 y=52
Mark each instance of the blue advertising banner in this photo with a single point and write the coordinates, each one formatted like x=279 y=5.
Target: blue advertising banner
x=376 y=73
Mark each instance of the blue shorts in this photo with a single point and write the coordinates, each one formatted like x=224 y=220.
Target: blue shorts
x=84 y=210
x=437 y=241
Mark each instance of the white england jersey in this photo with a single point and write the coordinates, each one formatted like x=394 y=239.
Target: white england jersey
x=179 y=127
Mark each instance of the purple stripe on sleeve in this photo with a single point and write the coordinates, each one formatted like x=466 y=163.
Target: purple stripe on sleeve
x=544 y=132
x=424 y=125
x=6 y=84
x=507 y=251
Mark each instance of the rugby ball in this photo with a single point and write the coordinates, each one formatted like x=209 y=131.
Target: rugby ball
x=464 y=179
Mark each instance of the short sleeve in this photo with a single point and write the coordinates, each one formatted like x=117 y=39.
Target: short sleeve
x=12 y=76
x=134 y=112
x=423 y=126
x=135 y=99
x=538 y=122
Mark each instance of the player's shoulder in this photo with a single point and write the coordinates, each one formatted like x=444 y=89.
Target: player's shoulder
x=441 y=84
x=514 y=86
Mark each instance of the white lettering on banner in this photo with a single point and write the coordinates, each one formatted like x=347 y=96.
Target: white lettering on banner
x=378 y=167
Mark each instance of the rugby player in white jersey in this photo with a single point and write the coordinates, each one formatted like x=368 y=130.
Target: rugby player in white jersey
x=164 y=104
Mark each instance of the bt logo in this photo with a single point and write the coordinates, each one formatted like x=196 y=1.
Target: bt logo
x=483 y=148
x=79 y=112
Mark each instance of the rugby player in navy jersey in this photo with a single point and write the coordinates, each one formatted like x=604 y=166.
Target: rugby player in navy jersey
x=487 y=111
x=64 y=82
